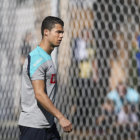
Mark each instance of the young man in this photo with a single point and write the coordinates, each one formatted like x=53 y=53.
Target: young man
x=36 y=120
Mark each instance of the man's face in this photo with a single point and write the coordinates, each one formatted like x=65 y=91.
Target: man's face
x=122 y=89
x=55 y=35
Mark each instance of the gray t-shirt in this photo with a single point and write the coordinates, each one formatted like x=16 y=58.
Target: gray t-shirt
x=38 y=66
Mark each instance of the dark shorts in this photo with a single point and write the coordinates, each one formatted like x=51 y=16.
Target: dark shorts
x=28 y=133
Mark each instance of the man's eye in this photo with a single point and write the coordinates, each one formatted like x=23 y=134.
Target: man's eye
x=59 y=32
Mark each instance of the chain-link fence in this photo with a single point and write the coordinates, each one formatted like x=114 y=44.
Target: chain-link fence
x=19 y=32
x=101 y=47
x=99 y=53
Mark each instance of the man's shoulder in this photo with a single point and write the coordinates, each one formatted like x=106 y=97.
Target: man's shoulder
x=132 y=92
x=34 y=53
x=37 y=54
x=112 y=94
x=132 y=95
x=36 y=60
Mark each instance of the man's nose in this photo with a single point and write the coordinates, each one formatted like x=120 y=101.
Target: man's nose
x=61 y=35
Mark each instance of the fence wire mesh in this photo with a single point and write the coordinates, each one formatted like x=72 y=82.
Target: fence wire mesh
x=19 y=32
x=99 y=53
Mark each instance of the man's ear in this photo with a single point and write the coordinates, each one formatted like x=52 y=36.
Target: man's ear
x=46 y=32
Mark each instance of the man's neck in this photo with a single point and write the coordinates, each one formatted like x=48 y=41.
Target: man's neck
x=46 y=46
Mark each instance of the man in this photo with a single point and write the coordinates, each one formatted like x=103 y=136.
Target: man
x=36 y=120
x=123 y=99
x=121 y=102
x=123 y=94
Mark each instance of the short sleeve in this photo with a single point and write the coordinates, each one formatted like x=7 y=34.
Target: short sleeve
x=36 y=67
x=39 y=74
x=111 y=95
x=133 y=96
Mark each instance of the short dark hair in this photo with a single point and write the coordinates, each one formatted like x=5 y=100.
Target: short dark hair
x=49 y=22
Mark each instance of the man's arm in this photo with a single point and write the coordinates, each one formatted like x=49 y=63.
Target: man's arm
x=108 y=105
x=44 y=100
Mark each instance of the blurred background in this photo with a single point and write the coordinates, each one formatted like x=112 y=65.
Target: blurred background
x=98 y=64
